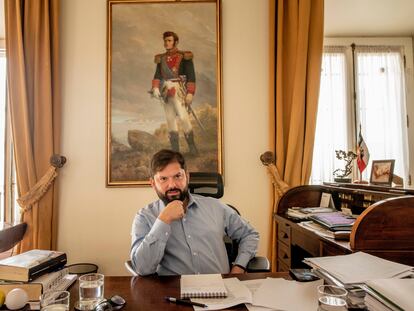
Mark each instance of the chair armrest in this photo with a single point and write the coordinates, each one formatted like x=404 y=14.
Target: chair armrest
x=258 y=264
x=128 y=266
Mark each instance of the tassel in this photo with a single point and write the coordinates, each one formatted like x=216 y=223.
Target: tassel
x=38 y=190
x=42 y=186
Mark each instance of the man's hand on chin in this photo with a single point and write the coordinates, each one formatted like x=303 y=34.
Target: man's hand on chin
x=237 y=270
x=173 y=211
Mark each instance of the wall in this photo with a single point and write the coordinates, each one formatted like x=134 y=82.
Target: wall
x=94 y=221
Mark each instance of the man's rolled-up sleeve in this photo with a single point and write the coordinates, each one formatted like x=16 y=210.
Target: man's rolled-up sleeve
x=148 y=244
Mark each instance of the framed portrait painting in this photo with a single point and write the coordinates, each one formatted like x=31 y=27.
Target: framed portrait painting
x=163 y=86
x=382 y=172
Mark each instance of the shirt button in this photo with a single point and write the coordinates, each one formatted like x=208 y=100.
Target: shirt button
x=184 y=219
x=166 y=233
x=189 y=236
x=195 y=254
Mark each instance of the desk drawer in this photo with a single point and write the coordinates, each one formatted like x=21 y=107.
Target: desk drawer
x=284 y=232
x=306 y=240
x=283 y=253
x=281 y=267
x=331 y=250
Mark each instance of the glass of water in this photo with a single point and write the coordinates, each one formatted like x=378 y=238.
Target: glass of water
x=91 y=290
x=332 y=298
x=55 y=301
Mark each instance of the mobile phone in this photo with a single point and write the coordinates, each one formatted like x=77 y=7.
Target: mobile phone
x=303 y=275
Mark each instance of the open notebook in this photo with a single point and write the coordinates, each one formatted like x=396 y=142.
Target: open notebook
x=202 y=286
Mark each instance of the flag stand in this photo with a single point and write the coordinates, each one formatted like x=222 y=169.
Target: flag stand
x=360 y=180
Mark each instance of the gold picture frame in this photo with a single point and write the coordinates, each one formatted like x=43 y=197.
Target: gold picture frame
x=136 y=123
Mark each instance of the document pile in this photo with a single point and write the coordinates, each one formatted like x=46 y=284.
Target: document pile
x=303 y=213
x=362 y=274
x=358 y=268
x=390 y=295
x=326 y=205
x=266 y=294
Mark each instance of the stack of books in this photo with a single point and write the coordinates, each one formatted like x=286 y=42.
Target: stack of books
x=36 y=272
x=335 y=221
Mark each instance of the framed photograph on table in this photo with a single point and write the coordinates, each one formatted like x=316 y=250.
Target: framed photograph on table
x=382 y=172
x=163 y=86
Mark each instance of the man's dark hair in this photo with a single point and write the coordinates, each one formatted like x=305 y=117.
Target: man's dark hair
x=164 y=157
x=170 y=34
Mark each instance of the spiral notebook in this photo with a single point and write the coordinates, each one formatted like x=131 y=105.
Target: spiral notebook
x=202 y=286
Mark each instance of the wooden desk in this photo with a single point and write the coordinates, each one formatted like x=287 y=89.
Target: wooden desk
x=147 y=293
x=385 y=227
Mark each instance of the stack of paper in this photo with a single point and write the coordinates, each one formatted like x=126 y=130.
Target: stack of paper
x=302 y=213
x=390 y=294
x=359 y=267
x=318 y=229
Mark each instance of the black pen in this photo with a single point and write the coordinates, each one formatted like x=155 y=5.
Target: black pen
x=185 y=302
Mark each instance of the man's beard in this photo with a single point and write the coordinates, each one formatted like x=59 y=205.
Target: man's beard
x=181 y=196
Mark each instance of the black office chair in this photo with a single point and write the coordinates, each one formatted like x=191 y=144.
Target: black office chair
x=211 y=185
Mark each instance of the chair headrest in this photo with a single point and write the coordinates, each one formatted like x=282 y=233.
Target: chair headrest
x=207 y=184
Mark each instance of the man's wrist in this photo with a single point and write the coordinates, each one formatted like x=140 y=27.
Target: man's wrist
x=240 y=266
x=164 y=219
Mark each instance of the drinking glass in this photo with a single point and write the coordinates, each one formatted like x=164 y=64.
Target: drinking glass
x=332 y=298
x=91 y=290
x=55 y=301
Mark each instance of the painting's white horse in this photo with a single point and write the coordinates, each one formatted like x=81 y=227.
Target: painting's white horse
x=174 y=93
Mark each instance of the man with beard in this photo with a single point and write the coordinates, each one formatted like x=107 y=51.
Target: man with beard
x=182 y=233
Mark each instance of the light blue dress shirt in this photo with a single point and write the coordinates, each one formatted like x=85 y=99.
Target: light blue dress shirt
x=193 y=244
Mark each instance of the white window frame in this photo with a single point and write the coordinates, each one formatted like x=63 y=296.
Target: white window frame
x=10 y=214
x=407 y=45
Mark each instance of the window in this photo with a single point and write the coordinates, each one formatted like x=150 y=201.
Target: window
x=363 y=84
x=2 y=131
x=9 y=208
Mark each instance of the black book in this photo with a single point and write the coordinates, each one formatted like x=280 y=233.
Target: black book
x=31 y=264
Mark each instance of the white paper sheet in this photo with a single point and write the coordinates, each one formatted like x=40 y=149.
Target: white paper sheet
x=253 y=286
x=280 y=294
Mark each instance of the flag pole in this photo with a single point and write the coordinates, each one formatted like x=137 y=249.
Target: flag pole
x=361 y=146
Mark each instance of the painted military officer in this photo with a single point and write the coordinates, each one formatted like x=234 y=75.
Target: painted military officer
x=174 y=82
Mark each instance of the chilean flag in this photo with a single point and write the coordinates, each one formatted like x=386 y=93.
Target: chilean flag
x=362 y=153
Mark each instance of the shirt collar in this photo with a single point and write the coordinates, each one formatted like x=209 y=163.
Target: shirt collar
x=191 y=201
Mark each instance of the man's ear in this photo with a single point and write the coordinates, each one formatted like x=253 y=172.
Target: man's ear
x=152 y=182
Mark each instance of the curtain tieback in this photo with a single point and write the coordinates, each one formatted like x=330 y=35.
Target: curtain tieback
x=279 y=184
x=42 y=186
